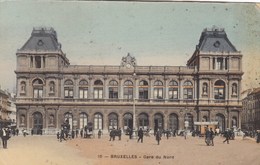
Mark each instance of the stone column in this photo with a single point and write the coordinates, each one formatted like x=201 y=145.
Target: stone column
x=210 y=63
x=150 y=90
x=41 y=61
x=180 y=89
x=76 y=88
x=165 y=122
x=224 y=63
x=135 y=89
x=33 y=64
x=166 y=89
x=120 y=89
x=57 y=118
x=90 y=93
x=27 y=119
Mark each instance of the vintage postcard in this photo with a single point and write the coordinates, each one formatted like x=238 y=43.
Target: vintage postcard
x=129 y=82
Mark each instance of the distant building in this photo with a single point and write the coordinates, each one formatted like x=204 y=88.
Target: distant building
x=50 y=90
x=7 y=109
x=251 y=110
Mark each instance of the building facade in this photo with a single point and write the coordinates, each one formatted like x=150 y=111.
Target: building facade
x=7 y=109
x=50 y=90
x=251 y=110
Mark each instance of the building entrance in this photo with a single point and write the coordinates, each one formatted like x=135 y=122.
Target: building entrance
x=37 y=123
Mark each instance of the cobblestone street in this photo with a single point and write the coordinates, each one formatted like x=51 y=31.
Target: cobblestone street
x=46 y=150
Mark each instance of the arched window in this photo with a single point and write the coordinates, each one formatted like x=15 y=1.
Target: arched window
x=219 y=90
x=51 y=87
x=112 y=121
x=143 y=90
x=68 y=120
x=68 y=89
x=98 y=89
x=187 y=90
x=98 y=121
x=173 y=122
x=128 y=121
x=128 y=90
x=113 y=89
x=173 y=90
x=23 y=87
x=83 y=89
x=37 y=88
x=158 y=90
x=205 y=89
x=143 y=121
x=234 y=89
x=83 y=120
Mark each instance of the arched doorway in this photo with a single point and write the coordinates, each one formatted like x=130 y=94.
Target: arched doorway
x=112 y=121
x=221 y=122
x=158 y=122
x=37 y=123
x=143 y=121
x=128 y=121
x=173 y=122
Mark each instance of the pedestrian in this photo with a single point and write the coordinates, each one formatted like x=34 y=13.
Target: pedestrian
x=212 y=135
x=112 y=134
x=227 y=136
x=140 y=135
x=73 y=134
x=81 y=133
x=32 y=132
x=77 y=133
x=130 y=133
x=17 y=131
x=158 y=136
x=207 y=136
x=58 y=135
x=258 y=136
x=24 y=132
x=167 y=133
x=4 y=134
x=99 y=133
x=119 y=133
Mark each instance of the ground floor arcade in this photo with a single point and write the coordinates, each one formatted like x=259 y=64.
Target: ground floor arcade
x=48 y=119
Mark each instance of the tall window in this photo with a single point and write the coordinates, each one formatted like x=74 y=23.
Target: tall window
x=158 y=90
x=128 y=90
x=98 y=121
x=38 y=61
x=83 y=89
x=173 y=90
x=68 y=89
x=219 y=90
x=113 y=121
x=187 y=90
x=113 y=89
x=143 y=90
x=218 y=63
x=83 y=120
x=37 y=88
x=221 y=122
x=98 y=89
x=143 y=121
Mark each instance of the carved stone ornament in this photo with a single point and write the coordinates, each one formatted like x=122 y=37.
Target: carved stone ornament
x=128 y=61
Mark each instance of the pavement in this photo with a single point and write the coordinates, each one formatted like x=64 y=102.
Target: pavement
x=47 y=150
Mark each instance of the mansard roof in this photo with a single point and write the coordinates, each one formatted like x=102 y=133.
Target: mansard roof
x=42 y=39
x=215 y=40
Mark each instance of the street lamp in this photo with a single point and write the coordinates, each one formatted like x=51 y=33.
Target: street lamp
x=134 y=122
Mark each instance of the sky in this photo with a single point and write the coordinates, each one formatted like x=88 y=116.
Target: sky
x=155 y=33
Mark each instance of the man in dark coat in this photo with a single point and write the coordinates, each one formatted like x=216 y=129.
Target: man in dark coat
x=258 y=136
x=207 y=136
x=4 y=134
x=212 y=135
x=112 y=134
x=158 y=136
x=227 y=136
x=140 y=135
